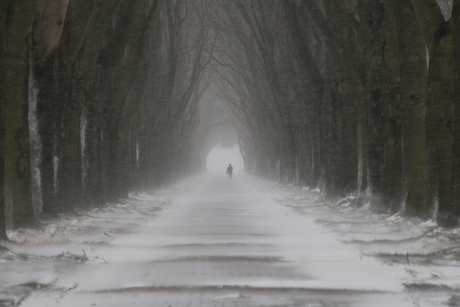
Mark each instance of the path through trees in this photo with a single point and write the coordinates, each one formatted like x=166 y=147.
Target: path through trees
x=100 y=98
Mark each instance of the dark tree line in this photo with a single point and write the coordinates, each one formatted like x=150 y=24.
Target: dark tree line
x=355 y=97
x=98 y=98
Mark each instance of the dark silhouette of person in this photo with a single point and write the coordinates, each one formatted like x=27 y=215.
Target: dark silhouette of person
x=229 y=171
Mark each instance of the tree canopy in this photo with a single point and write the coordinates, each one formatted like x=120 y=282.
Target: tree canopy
x=354 y=97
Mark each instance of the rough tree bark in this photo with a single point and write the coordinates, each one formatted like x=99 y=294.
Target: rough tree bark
x=392 y=184
x=413 y=77
x=46 y=35
x=454 y=208
x=3 y=61
x=17 y=154
x=437 y=34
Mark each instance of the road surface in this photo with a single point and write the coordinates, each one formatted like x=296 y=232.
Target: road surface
x=215 y=242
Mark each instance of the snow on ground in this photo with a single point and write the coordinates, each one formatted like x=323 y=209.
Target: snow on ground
x=211 y=241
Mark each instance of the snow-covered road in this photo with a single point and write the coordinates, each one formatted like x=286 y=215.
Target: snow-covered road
x=211 y=241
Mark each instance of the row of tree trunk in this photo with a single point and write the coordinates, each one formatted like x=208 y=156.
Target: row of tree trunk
x=355 y=97
x=98 y=98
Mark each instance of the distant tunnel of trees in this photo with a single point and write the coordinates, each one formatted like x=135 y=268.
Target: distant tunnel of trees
x=356 y=97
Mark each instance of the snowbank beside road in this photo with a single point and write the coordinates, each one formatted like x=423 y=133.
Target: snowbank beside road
x=210 y=241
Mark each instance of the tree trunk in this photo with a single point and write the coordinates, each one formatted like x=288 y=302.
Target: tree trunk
x=92 y=193
x=439 y=124
x=438 y=39
x=48 y=116
x=454 y=208
x=392 y=180
x=3 y=89
x=17 y=156
x=413 y=74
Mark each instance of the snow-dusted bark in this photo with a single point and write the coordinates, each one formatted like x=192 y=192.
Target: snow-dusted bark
x=17 y=154
x=3 y=52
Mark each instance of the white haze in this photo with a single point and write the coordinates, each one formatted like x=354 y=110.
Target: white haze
x=219 y=158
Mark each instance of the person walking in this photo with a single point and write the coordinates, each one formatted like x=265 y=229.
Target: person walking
x=229 y=171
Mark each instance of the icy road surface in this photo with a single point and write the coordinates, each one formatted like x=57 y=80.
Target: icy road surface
x=211 y=241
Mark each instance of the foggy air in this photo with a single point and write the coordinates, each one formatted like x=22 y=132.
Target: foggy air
x=229 y=153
